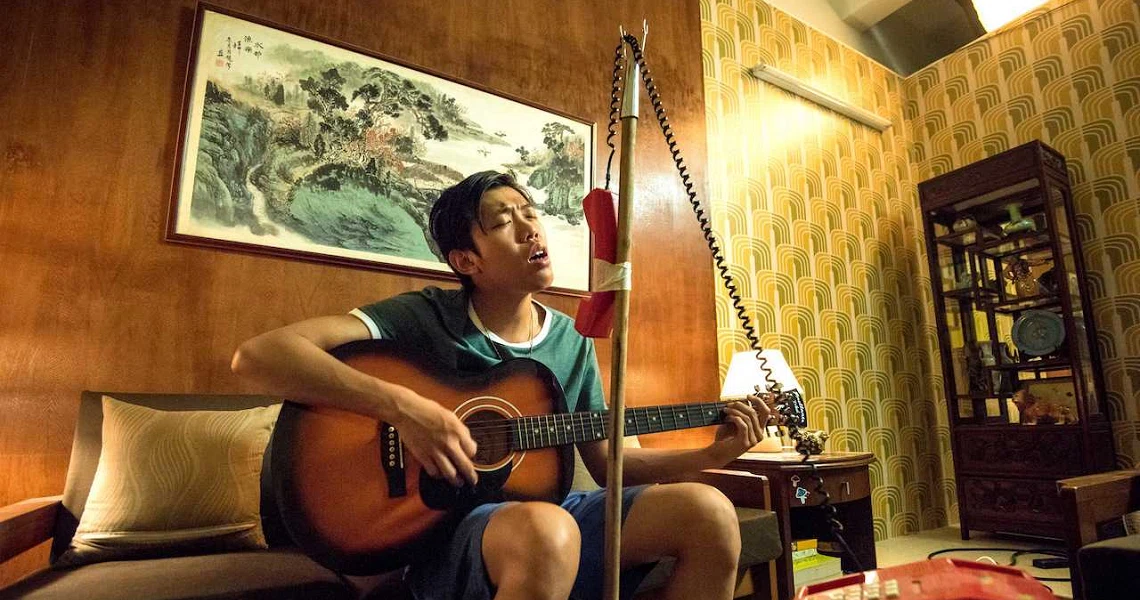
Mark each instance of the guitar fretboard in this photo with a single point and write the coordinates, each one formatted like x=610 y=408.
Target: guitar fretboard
x=544 y=431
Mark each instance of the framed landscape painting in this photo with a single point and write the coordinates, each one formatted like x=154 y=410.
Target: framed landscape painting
x=299 y=146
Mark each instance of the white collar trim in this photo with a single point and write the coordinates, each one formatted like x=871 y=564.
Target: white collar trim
x=543 y=329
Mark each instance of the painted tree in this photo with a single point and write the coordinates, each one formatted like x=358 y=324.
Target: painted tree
x=326 y=99
x=560 y=176
x=386 y=94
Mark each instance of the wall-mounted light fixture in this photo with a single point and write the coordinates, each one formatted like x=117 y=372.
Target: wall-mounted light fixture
x=787 y=82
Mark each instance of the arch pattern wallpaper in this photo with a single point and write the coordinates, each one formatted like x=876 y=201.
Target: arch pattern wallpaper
x=1067 y=74
x=819 y=218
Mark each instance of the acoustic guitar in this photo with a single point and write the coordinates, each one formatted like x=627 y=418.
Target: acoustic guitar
x=351 y=497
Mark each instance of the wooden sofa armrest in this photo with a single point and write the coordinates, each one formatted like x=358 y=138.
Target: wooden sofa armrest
x=26 y=524
x=744 y=489
x=1089 y=500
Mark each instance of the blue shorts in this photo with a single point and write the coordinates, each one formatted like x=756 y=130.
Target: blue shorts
x=457 y=572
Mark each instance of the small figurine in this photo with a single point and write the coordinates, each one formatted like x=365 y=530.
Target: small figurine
x=813 y=440
x=963 y=224
x=1017 y=223
x=1019 y=274
x=965 y=280
x=1034 y=411
x=976 y=372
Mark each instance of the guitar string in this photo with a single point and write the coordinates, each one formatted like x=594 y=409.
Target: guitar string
x=532 y=428
x=544 y=437
x=578 y=421
x=546 y=433
x=603 y=415
x=498 y=427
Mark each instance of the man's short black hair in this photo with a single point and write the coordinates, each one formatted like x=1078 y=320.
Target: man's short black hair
x=457 y=210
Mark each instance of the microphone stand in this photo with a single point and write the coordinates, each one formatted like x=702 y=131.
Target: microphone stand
x=621 y=325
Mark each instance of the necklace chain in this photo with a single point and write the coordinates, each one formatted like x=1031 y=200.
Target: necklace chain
x=530 y=332
x=533 y=322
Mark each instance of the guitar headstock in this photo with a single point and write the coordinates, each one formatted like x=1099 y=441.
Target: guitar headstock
x=787 y=408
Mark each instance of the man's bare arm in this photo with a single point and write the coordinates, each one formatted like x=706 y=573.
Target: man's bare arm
x=742 y=430
x=293 y=362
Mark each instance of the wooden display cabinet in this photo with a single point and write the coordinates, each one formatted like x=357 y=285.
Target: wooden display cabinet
x=1022 y=378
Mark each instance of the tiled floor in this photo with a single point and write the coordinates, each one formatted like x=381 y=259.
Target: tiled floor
x=911 y=548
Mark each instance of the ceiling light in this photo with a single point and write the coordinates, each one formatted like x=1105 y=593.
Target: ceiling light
x=995 y=13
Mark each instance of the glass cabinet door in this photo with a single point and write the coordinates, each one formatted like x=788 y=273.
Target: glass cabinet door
x=1069 y=288
x=1004 y=270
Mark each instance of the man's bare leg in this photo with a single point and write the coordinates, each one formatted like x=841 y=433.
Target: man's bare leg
x=692 y=522
x=531 y=551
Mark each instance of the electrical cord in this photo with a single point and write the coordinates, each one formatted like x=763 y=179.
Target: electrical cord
x=615 y=108
x=1015 y=553
x=786 y=409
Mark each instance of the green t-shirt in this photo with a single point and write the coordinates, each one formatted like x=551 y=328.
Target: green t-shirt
x=443 y=324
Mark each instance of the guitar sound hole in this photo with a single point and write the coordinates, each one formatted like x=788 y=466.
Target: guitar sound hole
x=492 y=433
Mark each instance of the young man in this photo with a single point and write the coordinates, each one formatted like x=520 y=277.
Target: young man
x=489 y=230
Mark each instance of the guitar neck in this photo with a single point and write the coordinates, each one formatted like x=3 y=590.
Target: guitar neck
x=544 y=431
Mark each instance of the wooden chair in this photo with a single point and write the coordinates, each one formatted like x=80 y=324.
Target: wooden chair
x=1099 y=559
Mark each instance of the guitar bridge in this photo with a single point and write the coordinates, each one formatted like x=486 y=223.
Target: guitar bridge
x=392 y=457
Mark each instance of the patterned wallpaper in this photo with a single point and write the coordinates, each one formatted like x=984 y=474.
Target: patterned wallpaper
x=819 y=220
x=1069 y=75
x=819 y=215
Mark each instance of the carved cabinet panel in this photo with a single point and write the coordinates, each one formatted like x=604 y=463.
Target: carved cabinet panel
x=1012 y=499
x=1040 y=451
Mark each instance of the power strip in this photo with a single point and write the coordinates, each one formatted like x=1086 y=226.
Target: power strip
x=1056 y=562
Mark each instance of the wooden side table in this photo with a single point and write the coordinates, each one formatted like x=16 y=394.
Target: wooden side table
x=847 y=481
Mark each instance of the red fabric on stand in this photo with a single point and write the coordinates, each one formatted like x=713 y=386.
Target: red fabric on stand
x=595 y=316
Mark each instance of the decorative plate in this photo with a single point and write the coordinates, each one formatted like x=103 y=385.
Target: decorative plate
x=1038 y=332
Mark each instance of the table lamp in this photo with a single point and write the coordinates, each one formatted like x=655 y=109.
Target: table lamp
x=744 y=374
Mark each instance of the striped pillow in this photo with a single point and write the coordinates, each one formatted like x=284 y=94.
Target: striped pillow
x=174 y=483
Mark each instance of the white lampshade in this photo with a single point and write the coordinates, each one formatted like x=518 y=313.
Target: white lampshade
x=744 y=374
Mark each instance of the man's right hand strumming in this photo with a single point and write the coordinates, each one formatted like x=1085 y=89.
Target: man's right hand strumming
x=436 y=437
x=293 y=362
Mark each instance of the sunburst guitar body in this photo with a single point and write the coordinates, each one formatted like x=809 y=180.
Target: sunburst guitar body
x=354 y=500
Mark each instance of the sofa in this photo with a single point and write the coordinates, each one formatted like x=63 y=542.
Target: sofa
x=279 y=570
x=1103 y=561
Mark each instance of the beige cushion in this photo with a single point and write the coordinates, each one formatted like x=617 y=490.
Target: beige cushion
x=174 y=482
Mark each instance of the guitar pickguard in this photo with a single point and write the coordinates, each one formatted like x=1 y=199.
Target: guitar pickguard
x=439 y=494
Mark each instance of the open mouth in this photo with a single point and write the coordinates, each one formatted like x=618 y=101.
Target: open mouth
x=538 y=256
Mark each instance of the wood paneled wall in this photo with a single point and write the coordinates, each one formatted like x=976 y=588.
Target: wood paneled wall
x=91 y=297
